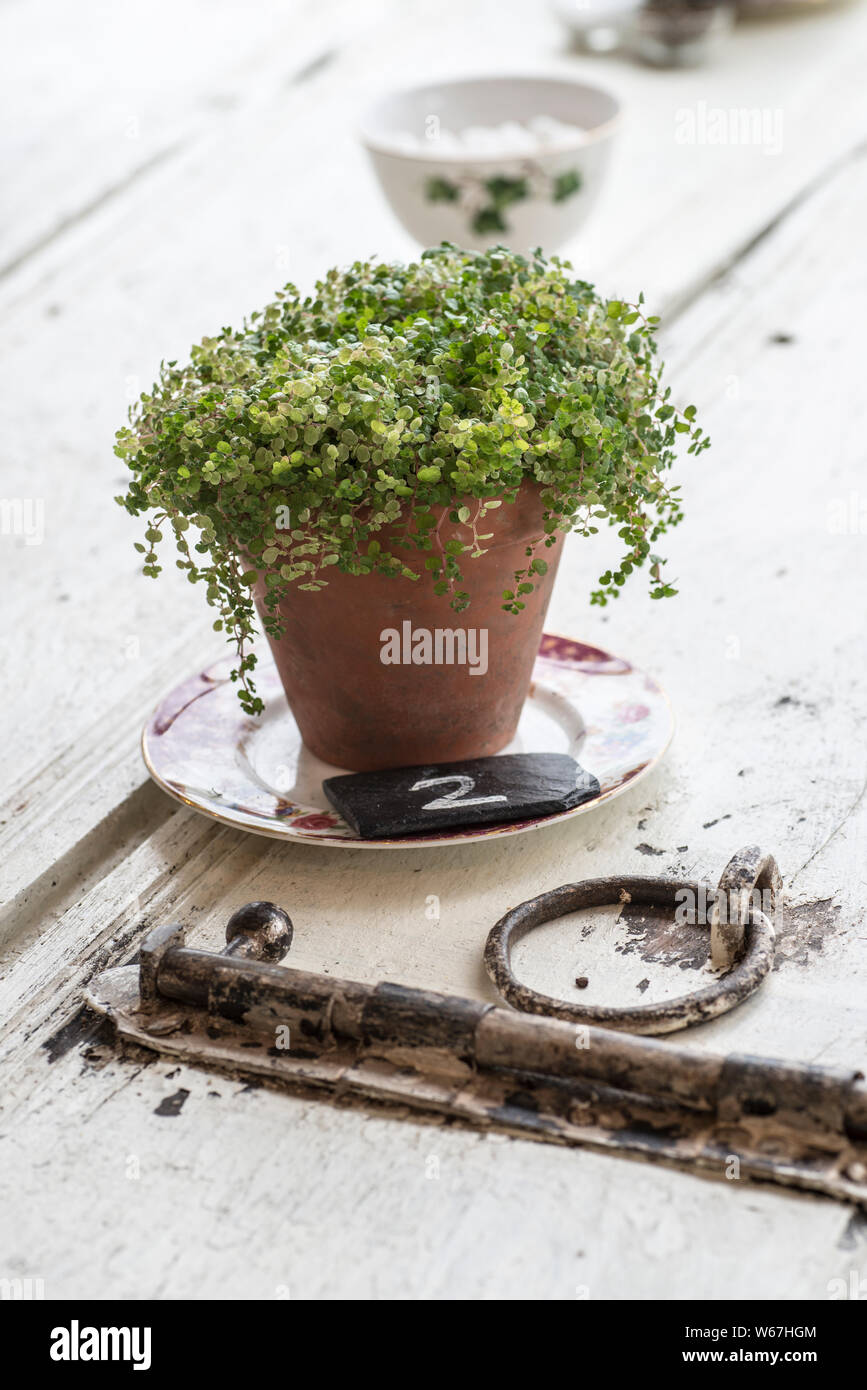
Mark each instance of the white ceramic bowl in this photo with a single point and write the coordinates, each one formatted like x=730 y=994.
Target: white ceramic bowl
x=476 y=198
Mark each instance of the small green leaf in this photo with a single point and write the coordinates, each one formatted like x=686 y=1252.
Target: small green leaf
x=566 y=184
x=438 y=190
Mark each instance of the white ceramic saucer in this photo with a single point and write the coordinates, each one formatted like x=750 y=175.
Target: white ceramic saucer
x=256 y=774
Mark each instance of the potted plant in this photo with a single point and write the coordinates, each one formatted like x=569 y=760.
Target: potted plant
x=385 y=470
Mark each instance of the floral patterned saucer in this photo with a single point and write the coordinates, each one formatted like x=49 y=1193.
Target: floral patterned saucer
x=256 y=774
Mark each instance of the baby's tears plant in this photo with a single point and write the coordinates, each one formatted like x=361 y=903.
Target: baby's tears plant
x=330 y=431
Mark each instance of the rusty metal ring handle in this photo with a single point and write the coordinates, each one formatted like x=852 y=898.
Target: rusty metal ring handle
x=666 y=1017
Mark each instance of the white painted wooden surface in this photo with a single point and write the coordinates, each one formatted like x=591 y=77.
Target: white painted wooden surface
x=167 y=166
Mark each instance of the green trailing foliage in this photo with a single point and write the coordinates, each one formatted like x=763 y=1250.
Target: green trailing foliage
x=297 y=443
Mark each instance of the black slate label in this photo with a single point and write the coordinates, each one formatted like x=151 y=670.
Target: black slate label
x=481 y=791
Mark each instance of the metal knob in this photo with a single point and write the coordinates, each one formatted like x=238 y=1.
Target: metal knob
x=259 y=931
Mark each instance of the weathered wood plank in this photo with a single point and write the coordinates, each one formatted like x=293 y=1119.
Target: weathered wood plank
x=235 y=1193
x=99 y=97
x=96 y=310
x=752 y=678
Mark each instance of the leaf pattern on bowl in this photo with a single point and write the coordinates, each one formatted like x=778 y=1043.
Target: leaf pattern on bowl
x=486 y=197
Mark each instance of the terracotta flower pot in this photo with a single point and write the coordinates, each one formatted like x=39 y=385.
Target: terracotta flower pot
x=365 y=660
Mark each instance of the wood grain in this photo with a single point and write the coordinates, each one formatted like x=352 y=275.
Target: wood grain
x=125 y=1176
